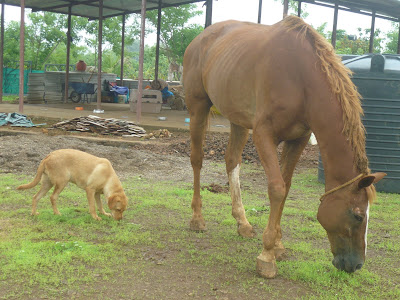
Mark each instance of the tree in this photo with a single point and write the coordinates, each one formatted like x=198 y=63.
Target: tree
x=176 y=34
x=392 y=39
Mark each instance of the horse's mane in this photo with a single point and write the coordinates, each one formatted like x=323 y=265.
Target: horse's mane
x=338 y=78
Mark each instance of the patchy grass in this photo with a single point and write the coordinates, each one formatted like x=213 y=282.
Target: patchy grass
x=10 y=99
x=151 y=254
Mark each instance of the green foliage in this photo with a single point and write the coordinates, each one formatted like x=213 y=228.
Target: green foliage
x=357 y=44
x=176 y=35
x=392 y=39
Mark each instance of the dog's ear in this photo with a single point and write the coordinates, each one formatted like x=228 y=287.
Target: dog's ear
x=115 y=201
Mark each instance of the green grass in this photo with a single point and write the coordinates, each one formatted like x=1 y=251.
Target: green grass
x=55 y=256
x=10 y=98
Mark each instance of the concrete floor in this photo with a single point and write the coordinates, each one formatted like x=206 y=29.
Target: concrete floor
x=174 y=118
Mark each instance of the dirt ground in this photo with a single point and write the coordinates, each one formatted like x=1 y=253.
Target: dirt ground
x=21 y=150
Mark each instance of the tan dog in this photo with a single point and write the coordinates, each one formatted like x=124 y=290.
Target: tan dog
x=93 y=174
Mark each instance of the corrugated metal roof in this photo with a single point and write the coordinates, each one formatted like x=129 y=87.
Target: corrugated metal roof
x=386 y=9
x=90 y=8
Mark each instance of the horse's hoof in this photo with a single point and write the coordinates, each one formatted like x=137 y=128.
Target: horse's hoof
x=197 y=224
x=280 y=253
x=246 y=231
x=266 y=269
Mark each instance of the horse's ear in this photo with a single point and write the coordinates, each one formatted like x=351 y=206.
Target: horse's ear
x=370 y=179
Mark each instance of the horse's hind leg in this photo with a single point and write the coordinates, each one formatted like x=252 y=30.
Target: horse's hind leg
x=233 y=159
x=290 y=155
x=199 y=110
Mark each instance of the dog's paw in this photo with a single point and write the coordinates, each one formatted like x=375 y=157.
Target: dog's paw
x=34 y=213
x=97 y=218
x=107 y=214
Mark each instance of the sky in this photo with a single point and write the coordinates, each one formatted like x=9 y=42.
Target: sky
x=272 y=11
x=247 y=10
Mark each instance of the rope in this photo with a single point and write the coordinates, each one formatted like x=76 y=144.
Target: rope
x=341 y=186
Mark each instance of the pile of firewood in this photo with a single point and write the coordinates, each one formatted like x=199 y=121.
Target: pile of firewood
x=99 y=125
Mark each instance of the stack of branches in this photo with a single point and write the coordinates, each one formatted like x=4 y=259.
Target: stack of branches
x=99 y=125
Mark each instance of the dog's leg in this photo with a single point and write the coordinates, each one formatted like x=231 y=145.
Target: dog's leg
x=90 y=193
x=53 y=198
x=44 y=188
x=100 y=205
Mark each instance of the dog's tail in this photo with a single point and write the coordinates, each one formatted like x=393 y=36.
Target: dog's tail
x=36 y=180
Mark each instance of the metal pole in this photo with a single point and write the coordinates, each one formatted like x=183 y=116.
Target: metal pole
x=141 y=55
x=122 y=49
x=371 y=37
x=158 y=41
x=285 y=8
x=335 y=17
x=2 y=51
x=209 y=5
x=259 y=11
x=299 y=9
x=100 y=38
x=68 y=55
x=21 y=57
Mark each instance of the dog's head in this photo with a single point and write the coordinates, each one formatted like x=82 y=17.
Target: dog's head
x=117 y=204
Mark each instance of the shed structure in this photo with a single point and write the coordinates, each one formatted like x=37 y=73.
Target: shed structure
x=100 y=9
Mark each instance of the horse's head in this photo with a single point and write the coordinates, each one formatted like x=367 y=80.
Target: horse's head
x=344 y=215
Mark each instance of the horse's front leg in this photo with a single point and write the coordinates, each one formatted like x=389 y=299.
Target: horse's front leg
x=266 y=148
x=290 y=155
x=233 y=158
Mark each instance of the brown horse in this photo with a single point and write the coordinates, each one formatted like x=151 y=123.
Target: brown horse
x=282 y=81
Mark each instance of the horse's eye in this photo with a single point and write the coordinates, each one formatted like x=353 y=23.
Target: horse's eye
x=358 y=218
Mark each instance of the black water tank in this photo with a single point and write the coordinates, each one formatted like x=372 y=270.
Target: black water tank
x=377 y=78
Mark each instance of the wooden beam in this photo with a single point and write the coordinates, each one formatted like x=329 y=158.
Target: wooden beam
x=158 y=41
x=372 y=35
x=335 y=17
x=122 y=49
x=209 y=5
x=68 y=55
x=99 y=47
x=21 y=57
x=1 y=51
x=299 y=9
x=141 y=58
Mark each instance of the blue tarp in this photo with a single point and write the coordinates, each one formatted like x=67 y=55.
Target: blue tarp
x=16 y=119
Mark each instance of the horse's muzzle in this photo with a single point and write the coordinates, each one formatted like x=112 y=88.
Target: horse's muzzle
x=348 y=265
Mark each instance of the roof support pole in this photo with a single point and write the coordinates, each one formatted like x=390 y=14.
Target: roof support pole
x=141 y=56
x=100 y=39
x=335 y=17
x=1 y=51
x=259 y=11
x=209 y=5
x=285 y=8
x=21 y=57
x=158 y=42
x=299 y=9
x=68 y=55
x=372 y=35
x=122 y=49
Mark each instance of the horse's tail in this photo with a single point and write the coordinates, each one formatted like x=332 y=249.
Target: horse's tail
x=36 y=180
x=339 y=80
